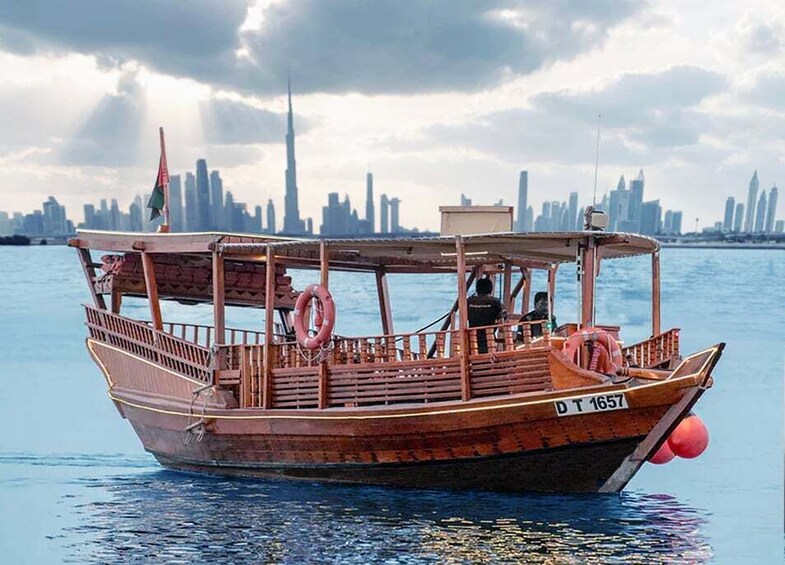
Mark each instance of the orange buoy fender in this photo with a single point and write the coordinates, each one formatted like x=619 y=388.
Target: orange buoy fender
x=325 y=316
x=663 y=455
x=606 y=362
x=690 y=438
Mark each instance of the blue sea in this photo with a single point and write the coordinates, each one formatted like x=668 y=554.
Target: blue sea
x=77 y=487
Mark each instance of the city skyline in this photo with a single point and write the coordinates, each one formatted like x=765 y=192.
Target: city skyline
x=690 y=99
x=627 y=212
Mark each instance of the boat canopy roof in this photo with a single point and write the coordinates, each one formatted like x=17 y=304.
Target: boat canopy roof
x=409 y=254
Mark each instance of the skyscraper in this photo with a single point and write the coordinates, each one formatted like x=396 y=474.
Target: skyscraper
x=651 y=217
x=216 y=201
x=292 y=224
x=573 y=212
x=89 y=216
x=752 y=197
x=771 y=213
x=730 y=206
x=191 y=204
x=523 y=196
x=114 y=216
x=135 y=220
x=667 y=223
x=54 y=218
x=619 y=207
x=635 y=203
x=270 y=216
x=369 y=208
x=203 y=195
x=336 y=216
x=760 y=213
x=676 y=223
x=395 y=224
x=384 y=212
x=738 y=217
x=175 y=204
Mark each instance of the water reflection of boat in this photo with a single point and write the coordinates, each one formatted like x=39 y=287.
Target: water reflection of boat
x=162 y=516
x=515 y=406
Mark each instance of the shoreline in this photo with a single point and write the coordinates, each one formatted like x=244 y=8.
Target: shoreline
x=717 y=245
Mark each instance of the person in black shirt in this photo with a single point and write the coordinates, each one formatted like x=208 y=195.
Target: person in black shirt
x=484 y=309
x=540 y=312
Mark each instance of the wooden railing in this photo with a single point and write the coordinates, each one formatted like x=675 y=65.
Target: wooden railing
x=508 y=336
x=655 y=351
x=139 y=339
x=392 y=369
x=203 y=335
x=400 y=347
x=414 y=346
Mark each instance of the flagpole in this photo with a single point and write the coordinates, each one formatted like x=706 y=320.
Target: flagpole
x=165 y=225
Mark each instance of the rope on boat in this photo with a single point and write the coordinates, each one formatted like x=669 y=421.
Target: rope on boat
x=319 y=355
x=198 y=428
x=436 y=321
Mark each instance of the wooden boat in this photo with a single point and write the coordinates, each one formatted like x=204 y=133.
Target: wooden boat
x=424 y=409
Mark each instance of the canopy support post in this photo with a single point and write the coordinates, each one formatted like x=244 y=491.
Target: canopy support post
x=527 y=290
x=507 y=287
x=117 y=300
x=324 y=259
x=463 y=316
x=384 y=302
x=551 y=289
x=219 y=298
x=219 y=312
x=448 y=319
x=89 y=273
x=655 y=294
x=152 y=290
x=588 y=282
x=269 y=310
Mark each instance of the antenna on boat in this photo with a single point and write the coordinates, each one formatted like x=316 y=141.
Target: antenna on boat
x=596 y=161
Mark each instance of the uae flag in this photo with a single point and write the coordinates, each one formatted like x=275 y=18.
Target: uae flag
x=157 y=202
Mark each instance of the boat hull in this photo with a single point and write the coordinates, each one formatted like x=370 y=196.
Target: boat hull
x=582 y=468
x=498 y=449
x=516 y=443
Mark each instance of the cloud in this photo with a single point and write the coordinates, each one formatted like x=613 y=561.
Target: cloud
x=232 y=122
x=387 y=46
x=754 y=35
x=220 y=156
x=164 y=34
x=394 y=46
x=635 y=98
x=643 y=115
x=768 y=91
x=111 y=135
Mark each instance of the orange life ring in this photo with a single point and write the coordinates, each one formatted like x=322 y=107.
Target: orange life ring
x=607 y=355
x=324 y=318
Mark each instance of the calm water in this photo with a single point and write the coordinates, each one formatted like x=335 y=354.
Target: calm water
x=75 y=485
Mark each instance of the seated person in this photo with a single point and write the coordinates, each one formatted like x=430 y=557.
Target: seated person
x=484 y=309
x=540 y=312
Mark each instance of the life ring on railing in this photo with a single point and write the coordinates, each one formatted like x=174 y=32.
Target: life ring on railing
x=324 y=317
x=606 y=356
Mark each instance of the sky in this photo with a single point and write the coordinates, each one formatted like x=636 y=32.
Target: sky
x=436 y=98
